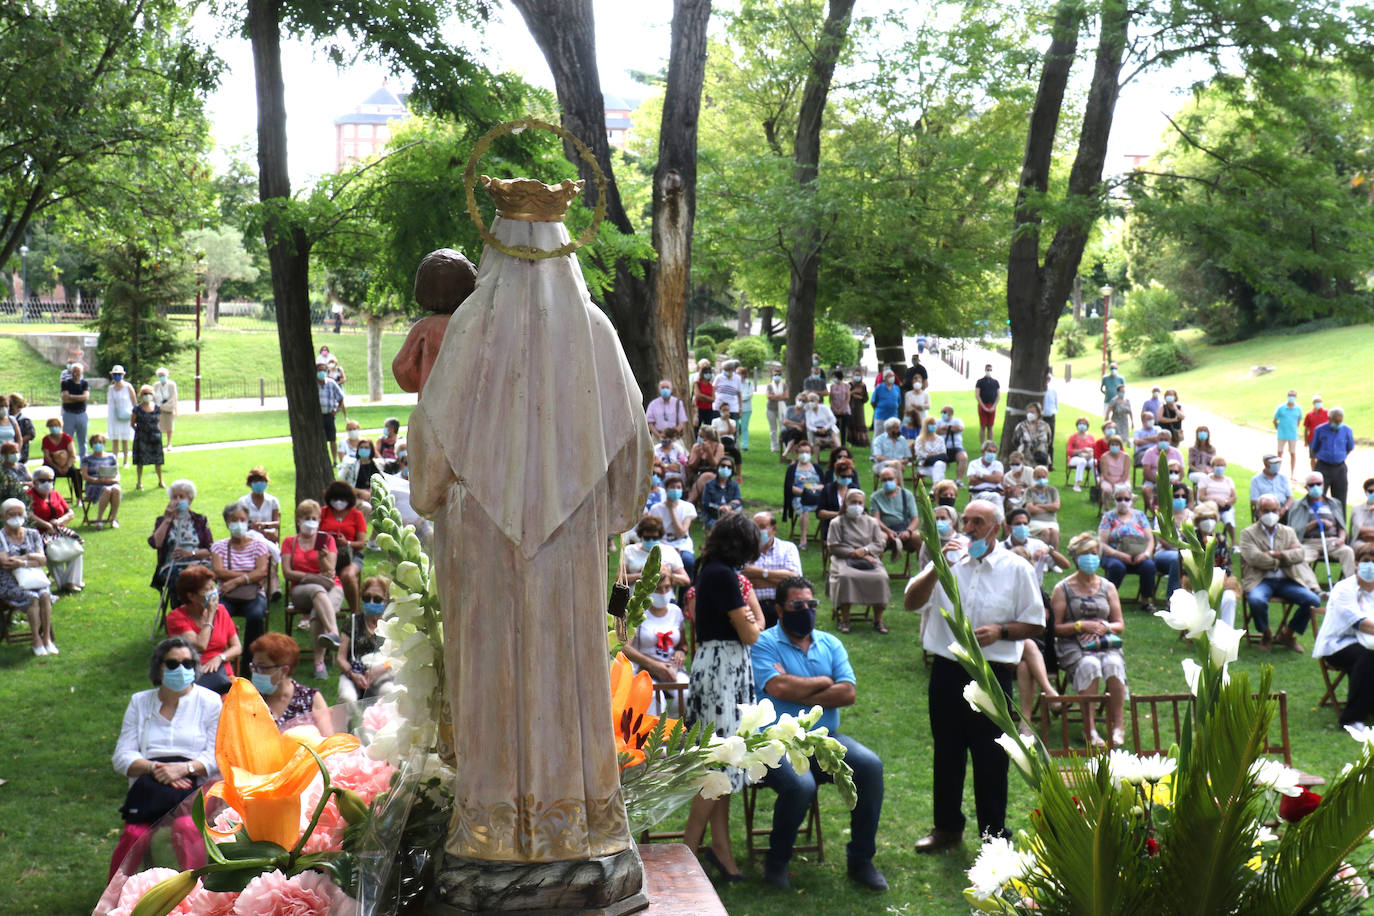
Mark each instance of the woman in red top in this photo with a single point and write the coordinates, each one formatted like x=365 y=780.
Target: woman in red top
x=207 y=624
x=59 y=453
x=345 y=521
x=51 y=516
x=704 y=395
x=307 y=564
x=1080 y=452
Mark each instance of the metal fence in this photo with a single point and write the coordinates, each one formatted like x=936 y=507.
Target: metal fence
x=234 y=315
x=48 y=311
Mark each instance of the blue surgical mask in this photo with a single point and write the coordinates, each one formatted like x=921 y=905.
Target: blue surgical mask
x=262 y=683
x=1202 y=435
x=178 y=679
x=1114 y=449
x=943 y=526
x=98 y=447
x=656 y=479
x=183 y=505
x=674 y=493
x=1168 y=399
x=1315 y=491
x=844 y=481
x=764 y=537
x=648 y=544
x=724 y=473
x=1366 y=570
x=1219 y=471
x=1089 y=562
x=977 y=548
x=258 y=486
x=988 y=457
x=1180 y=503
x=117 y=377
x=1082 y=427
x=238 y=529
x=401 y=455
x=1042 y=481
x=320 y=375
x=1020 y=532
x=211 y=598
x=364 y=452
x=374 y=608
x=889 y=485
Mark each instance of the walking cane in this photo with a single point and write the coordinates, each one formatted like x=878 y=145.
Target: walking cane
x=1326 y=557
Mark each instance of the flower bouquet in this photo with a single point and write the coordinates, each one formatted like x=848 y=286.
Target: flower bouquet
x=1178 y=834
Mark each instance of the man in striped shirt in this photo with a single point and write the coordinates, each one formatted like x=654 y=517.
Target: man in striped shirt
x=778 y=560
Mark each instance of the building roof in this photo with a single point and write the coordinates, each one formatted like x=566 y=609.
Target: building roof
x=366 y=118
x=614 y=102
x=617 y=123
x=383 y=97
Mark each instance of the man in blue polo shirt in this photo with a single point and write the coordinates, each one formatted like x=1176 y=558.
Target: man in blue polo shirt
x=1332 y=442
x=797 y=667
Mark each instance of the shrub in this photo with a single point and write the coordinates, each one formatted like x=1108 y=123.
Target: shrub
x=1164 y=358
x=1221 y=322
x=1146 y=318
x=719 y=331
x=752 y=352
x=836 y=344
x=704 y=338
x=706 y=351
x=1090 y=327
x=1071 y=342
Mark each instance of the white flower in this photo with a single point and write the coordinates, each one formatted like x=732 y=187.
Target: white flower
x=1270 y=774
x=810 y=717
x=787 y=730
x=728 y=751
x=959 y=652
x=715 y=784
x=998 y=864
x=752 y=718
x=1125 y=767
x=1225 y=642
x=1154 y=768
x=1265 y=835
x=798 y=760
x=1192 y=673
x=980 y=699
x=1015 y=752
x=769 y=754
x=1361 y=732
x=756 y=770
x=1190 y=612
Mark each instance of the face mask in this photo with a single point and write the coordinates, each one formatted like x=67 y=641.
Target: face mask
x=1042 y=481
x=1109 y=431
x=930 y=427
x=1316 y=405
x=777 y=379
x=309 y=526
x=656 y=479
x=1292 y=402
x=374 y=608
x=338 y=505
x=1202 y=435
x=725 y=473
x=116 y=378
x=147 y=399
x=844 y=481
x=1173 y=478
x=946 y=417
x=1334 y=422
x=1180 y=503
x=803 y=457
x=894 y=434
x=320 y=375
x=988 y=457
x=674 y=493
x=42 y=488
x=944 y=527
x=1269 y=519
x=162 y=376
x=1020 y=532
x=262 y=683
x=659 y=599
x=889 y=485
x=1082 y=427
x=1088 y=563
x=1015 y=468
x=1219 y=471
x=15 y=521
x=1168 y=399
x=238 y=529
x=1272 y=467
x=211 y=598
x=1032 y=417
x=354 y=437
x=1207 y=525
x=853 y=510
x=987 y=373
x=815 y=375
x=183 y=505
x=945 y=501
x=12 y=458
x=54 y=430
x=178 y=679
x=258 y=486
x=810 y=406
x=1366 y=571
x=648 y=544
x=1315 y=491
x=98 y=447
x=665 y=393
x=798 y=623
x=1369 y=497
x=977 y=549
x=858 y=378
x=1114 y=449
x=764 y=537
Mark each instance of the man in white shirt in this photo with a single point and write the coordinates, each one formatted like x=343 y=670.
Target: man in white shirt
x=985 y=476
x=778 y=560
x=998 y=592
x=1049 y=407
x=1346 y=633
x=821 y=427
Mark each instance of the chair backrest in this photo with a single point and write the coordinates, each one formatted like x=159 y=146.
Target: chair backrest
x=1064 y=738
x=1157 y=722
x=673 y=695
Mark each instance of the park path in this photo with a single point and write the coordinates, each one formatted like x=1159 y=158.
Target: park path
x=1240 y=445
x=247 y=405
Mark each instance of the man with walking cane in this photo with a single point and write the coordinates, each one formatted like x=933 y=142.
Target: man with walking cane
x=1320 y=522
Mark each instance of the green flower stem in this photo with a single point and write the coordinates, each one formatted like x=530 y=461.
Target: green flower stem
x=325 y=795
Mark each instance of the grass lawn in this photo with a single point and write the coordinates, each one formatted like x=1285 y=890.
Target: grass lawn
x=232 y=361
x=193 y=429
x=1310 y=363
x=58 y=810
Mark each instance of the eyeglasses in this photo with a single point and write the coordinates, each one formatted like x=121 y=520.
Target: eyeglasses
x=172 y=664
x=375 y=598
x=263 y=669
x=800 y=605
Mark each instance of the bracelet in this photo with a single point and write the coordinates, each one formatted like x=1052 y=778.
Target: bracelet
x=1078 y=626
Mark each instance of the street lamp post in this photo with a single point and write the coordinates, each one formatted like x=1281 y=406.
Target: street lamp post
x=1106 y=316
x=24 y=270
x=200 y=277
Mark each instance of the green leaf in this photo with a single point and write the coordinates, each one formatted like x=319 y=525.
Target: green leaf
x=240 y=850
x=233 y=880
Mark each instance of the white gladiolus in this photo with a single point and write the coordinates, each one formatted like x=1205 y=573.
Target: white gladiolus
x=1015 y=752
x=787 y=730
x=756 y=716
x=1270 y=774
x=798 y=760
x=1225 y=642
x=1361 y=732
x=715 y=784
x=768 y=754
x=1190 y=612
x=756 y=771
x=998 y=864
x=810 y=717
x=728 y=751
x=980 y=699
x=960 y=653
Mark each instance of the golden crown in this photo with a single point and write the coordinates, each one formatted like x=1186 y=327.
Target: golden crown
x=531 y=200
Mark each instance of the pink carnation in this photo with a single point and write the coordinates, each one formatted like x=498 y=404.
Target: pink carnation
x=307 y=894
x=376 y=716
x=210 y=903
x=227 y=821
x=139 y=884
x=359 y=772
x=329 y=830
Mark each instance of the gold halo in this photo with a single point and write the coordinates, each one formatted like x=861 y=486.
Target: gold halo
x=525 y=251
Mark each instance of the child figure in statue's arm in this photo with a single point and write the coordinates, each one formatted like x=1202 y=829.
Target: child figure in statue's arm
x=444 y=279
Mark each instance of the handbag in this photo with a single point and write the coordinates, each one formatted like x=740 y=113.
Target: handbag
x=1091 y=642
x=218 y=680
x=862 y=563
x=246 y=592
x=63 y=549
x=31 y=579
x=148 y=800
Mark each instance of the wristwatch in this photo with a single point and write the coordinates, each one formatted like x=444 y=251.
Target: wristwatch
x=1004 y=631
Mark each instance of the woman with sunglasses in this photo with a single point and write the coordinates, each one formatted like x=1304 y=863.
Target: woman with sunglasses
x=291 y=704
x=166 y=748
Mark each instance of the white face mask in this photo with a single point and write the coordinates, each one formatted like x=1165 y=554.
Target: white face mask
x=339 y=504
x=1269 y=519
x=15 y=521
x=659 y=599
x=310 y=526
x=1207 y=525
x=853 y=510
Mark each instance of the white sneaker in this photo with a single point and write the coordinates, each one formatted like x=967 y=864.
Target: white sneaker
x=52 y=649
x=39 y=649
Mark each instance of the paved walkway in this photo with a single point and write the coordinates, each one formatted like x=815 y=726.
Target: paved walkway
x=1240 y=445
x=245 y=405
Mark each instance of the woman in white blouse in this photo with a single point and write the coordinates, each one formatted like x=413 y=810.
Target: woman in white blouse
x=166 y=747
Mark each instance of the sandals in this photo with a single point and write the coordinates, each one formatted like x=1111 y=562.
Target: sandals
x=843 y=626
x=880 y=627
x=1093 y=739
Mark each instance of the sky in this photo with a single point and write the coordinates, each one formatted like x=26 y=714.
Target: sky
x=631 y=35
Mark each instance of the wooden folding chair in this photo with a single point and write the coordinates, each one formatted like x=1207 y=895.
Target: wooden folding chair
x=1281 y=745
x=289 y=614
x=1160 y=717
x=1251 y=635
x=1331 y=697
x=809 y=838
x=9 y=634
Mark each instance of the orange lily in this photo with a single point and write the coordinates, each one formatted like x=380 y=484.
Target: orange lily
x=631 y=695
x=265 y=770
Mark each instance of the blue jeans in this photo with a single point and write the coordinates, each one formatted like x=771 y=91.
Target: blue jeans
x=1285 y=590
x=1116 y=570
x=254 y=614
x=1166 y=561
x=75 y=425
x=743 y=439
x=795 y=791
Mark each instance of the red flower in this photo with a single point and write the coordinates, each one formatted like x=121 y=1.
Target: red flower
x=1295 y=808
x=1151 y=846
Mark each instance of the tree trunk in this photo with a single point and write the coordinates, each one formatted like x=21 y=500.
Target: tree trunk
x=289 y=256
x=806 y=153
x=675 y=189
x=766 y=329
x=211 y=306
x=887 y=344
x=374 y=357
x=565 y=31
x=1036 y=293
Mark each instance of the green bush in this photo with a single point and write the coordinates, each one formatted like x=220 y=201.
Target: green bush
x=752 y=352
x=1146 y=318
x=836 y=344
x=1221 y=322
x=1070 y=339
x=719 y=331
x=1165 y=358
x=706 y=350
x=704 y=339
x=1091 y=327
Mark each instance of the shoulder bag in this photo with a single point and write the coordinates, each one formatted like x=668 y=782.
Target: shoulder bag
x=245 y=592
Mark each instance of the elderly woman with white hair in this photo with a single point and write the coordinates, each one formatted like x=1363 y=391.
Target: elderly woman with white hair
x=1087 y=628
x=51 y=515
x=857 y=576
x=23 y=584
x=180 y=537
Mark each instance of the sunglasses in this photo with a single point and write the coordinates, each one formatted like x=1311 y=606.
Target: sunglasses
x=800 y=605
x=375 y=598
x=172 y=664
